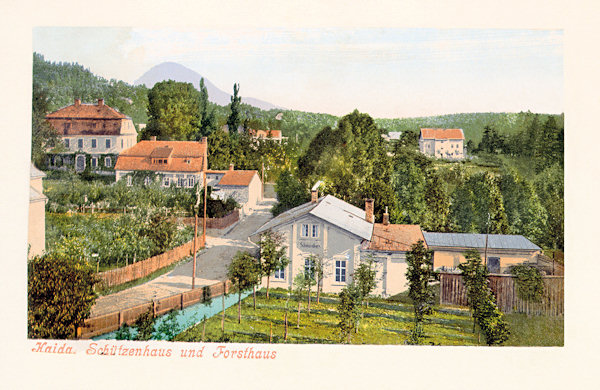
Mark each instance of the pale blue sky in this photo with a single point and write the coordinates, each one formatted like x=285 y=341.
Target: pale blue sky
x=384 y=72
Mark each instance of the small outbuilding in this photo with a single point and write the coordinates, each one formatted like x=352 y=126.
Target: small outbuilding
x=502 y=250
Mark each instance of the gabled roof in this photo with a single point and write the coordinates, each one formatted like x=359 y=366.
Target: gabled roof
x=86 y=111
x=442 y=134
x=185 y=156
x=395 y=238
x=473 y=240
x=36 y=196
x=35 y=173
x=237 y=178
x=330 y=209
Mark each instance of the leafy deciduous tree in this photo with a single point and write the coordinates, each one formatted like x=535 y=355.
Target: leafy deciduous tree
x=60 y=296
x=419 y=275
x=244 y=273
x=348 y=311
x=272 y=254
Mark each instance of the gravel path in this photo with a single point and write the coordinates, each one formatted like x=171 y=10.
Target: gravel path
x=211 y=265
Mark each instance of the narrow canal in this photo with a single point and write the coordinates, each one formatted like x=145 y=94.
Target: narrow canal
x=191 y=315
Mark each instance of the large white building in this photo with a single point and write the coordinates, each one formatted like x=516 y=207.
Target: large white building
x=342 y=235
x=442 y=143
x=92 y=134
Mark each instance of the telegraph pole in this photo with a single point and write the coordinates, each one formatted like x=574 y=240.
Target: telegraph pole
x=195 y=235
x=204 y=219
x=487 y=231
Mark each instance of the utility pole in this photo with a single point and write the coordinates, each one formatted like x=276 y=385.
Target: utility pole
x=204 y=219
x=487 y=231
x=195 y=235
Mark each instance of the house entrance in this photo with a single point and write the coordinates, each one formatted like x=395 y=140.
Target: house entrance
x=80 y=163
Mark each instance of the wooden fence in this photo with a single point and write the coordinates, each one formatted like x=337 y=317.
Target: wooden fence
x=111 y=322
x=453 y=292
x=214 y=223
x=144 y=268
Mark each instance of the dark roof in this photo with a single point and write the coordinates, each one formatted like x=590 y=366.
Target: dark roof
x=473 y=240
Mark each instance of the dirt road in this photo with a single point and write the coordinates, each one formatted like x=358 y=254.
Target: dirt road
x=211 y=265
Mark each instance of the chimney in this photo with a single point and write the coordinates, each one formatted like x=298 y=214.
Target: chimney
x=231 y=167
x=369 y=210
x=77 y=102
x=314 y=192
x=203 y=140
x=386 y=217
x=100 y=102
x=153 y=138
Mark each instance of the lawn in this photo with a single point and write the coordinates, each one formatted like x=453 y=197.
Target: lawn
x=383 y=322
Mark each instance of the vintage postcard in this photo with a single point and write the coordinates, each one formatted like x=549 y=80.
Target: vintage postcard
x=205 y=196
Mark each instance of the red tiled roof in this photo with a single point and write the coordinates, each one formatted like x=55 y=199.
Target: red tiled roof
x=237 y=178
x=395 y=237
x=442 y=134
x=265 y=133
x=184 y=156
x=86 y=111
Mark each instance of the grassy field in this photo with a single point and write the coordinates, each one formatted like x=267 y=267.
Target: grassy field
x=383 y=322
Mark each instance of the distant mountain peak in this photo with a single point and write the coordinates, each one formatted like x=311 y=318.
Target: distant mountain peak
x=177 y=72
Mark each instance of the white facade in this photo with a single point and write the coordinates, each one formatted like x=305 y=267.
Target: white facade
x=178 y=179
x=452 y=149
x=339 y=249
x=99 y=144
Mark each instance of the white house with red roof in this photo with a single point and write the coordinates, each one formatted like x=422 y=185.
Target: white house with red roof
x=273 y=135
x=244 y=186
x=442 y=143
x=181 y=163
x=92 y=134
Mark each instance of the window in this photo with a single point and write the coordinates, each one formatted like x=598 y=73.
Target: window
x=315 y=230
x=181 y=182
x=129 y=180
x=93 y=143
x=147 y=180
x=279 y=274
x=80 y=143
x=108 y=144
x=107 y=162
x=94 y=161
x=340 y=270
x=121 y=143
x=191 y=181
x=166 y=181
x=304 y=230
x=66 y=126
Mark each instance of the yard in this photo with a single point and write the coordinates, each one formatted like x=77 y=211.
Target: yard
x=383 y=322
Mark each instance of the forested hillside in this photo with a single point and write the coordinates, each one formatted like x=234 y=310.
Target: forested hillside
x=63 y=82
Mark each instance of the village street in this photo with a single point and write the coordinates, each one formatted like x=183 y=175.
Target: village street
x=211 y=265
